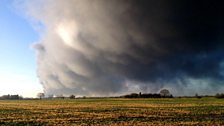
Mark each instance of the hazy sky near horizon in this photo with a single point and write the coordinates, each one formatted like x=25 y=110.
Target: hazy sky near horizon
x=17 y=58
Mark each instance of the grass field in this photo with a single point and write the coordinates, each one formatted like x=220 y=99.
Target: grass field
x=176 y=111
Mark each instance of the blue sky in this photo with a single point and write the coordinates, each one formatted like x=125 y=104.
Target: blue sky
x=17 y=58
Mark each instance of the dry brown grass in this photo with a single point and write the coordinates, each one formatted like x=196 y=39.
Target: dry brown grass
x=114 y=112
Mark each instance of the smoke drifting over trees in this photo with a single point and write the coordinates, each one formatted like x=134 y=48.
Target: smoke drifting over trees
x=110 y=47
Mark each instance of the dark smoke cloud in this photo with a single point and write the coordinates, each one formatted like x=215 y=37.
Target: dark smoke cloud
x=99 y=47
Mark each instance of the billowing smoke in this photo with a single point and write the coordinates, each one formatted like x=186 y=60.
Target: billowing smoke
x=112 y=47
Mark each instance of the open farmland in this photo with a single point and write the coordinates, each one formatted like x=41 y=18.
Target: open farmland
x=108 y=111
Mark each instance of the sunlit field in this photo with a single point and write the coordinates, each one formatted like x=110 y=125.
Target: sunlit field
x=108 y=111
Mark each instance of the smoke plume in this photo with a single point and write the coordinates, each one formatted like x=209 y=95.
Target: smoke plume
x=113 y=47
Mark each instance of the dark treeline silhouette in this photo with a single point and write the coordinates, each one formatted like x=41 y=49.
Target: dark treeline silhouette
x=219 y=95
x=11 y=97
x=147 y=95
x=162 y=94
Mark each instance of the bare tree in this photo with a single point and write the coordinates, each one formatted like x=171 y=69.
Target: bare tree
x=40 y=95
x=72 y=96
x=165 y=93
